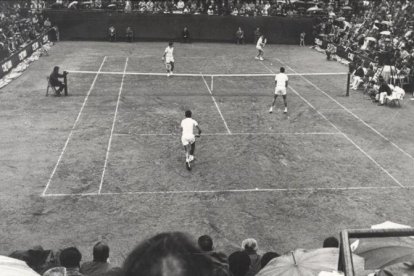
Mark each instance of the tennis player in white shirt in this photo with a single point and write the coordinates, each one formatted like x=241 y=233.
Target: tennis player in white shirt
x=261 y=42
x=281 y=84
x=168 y=57
x=188 y=137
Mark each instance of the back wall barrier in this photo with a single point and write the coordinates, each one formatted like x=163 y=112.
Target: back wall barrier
x=94 y=24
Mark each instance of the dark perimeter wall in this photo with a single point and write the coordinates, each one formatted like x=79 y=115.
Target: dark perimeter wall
x=93 y=25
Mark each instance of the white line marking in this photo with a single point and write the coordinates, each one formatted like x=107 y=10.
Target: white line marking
x=346 y=136
x=233 y=133
x=199 y=75
x=214 y=100
x=112 y=129
x=350 y=112
x=230 y=191
x=73 y=128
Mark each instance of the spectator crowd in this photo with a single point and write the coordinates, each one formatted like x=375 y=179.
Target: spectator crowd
x=210 y=7
x=171 y=253
x=20 y=23
x=380 y=38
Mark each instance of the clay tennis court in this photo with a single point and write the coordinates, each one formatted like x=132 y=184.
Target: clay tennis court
x=107 y=162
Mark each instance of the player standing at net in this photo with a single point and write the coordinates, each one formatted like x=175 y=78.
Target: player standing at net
x=261 y=42
x=168 y=57
x=188 y=137
x=281 y=84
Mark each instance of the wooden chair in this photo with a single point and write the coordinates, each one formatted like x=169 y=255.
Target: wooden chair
x=49 y=85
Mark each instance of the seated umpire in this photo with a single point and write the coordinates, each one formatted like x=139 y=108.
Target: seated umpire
x=54 y=80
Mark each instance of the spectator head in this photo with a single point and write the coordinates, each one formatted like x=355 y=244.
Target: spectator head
x=330 y=242
x=170 y=43
x=282 y=69
x=56 y=69
x=267 y=257
x=206 y=243
x=70 y=257
x=188 y=114
x=250 y=245
x=172 y=254
x=239 y=263
x=100 y=252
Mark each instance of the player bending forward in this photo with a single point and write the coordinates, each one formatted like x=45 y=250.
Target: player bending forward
x=188 y=137
x=261 y=42
x=168 y=57
x=281 y=84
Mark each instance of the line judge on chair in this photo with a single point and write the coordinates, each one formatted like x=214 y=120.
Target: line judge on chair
x=54 y=79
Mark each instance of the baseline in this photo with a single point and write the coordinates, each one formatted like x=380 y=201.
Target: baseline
x=254 y=190
x=73 y=128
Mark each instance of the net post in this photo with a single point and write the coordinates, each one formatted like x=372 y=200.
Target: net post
x=212 y=83
x=348 y=84
x=65 y=79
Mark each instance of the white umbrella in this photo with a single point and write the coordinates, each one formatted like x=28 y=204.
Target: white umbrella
x=14 y=267
x=315 y=8
x=74 y=3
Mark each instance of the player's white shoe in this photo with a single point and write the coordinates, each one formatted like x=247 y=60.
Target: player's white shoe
x=285 y=111
x=271 y=109
x=172 y=73
x=256 y=57
x=261 y=58
x=191 y=158
x=168 y=74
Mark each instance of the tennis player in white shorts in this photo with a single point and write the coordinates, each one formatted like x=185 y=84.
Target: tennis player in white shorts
x=281 y=84
x=168 y=57
x=261 y=42
x=188 y=137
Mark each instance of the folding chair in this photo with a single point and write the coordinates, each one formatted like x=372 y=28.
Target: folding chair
x=49 y=85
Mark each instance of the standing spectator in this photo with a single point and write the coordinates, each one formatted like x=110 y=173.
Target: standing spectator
x=250 y=247
x=240 y=36
x=47 y=23
x=239 y=263
x=302 y=39
x=129 y=34
x=221 y=266
x=100 y=264
x=186 y=35
x=171 y=253
x=112 y=34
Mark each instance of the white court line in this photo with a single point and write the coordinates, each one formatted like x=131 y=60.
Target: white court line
x=112 y=129
x=73 y=128
x=214 y=100
x=232 y=134
x=199 y=75
x=255 y=190
x=350 y=112
x=346 y=136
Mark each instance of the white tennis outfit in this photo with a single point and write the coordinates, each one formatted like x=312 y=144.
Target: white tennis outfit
x=188 y=125
x=169 y=54
x=259 y=45
x=281 y=80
